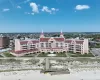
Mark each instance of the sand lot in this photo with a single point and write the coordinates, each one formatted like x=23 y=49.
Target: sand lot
x=36 y=75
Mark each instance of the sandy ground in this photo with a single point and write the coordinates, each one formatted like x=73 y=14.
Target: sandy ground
x=36 y=75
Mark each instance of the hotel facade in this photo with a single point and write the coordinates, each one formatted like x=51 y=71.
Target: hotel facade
x=51 y=44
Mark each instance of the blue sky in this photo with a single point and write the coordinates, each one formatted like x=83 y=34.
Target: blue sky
x=49 y=15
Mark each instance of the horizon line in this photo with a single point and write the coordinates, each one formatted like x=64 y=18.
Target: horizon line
x=52 y=32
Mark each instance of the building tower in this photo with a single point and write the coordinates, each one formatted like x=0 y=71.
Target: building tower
x=61 y=34
x=42 y=35
x=4 y=42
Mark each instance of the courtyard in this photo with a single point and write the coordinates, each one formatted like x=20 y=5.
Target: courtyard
x=61 y=54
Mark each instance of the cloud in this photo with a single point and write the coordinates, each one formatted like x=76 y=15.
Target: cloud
x=34 y=7
x=81 y=7
x=5 y=10
x=46 y=9
x=52 y=10
x=32 y=13
x=27 y=1
x=19 y=7
x=27 y=13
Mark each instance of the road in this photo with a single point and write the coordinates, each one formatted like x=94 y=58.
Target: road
x=95 y=51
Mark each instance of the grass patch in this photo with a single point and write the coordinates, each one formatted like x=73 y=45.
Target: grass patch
x=61 y=55
x=7 y=54
x=43 y=55
x=1 y=56
x=57 y=54
x=29 y=55
x=81 y=55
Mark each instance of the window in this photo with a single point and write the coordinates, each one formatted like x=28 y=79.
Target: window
x=42 y=45
x=61 y=44
x=24 y=48
x=49 y=44
x=46 y=44
x=56 y=44
x=24 y=45
x=66 y=45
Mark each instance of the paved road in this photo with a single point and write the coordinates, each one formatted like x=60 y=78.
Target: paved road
x=95 y=51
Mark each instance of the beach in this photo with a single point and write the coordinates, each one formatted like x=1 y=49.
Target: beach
x=36 y=75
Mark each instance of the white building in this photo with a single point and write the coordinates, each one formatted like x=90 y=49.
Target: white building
x=51 y=44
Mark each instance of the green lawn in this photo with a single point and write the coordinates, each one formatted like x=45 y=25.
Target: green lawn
x=58 y=55
x=29 y=55
x=7 y=54
x=1 y=56
x=61 y=55
x=43 y=55
x=80 y=55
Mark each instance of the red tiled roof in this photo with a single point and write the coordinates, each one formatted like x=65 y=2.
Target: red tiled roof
x=79 y=42
x=59 y=39
x=35 y=41
x=24 y=51
x=68 y=41
x=23 y=42
x=44 y=39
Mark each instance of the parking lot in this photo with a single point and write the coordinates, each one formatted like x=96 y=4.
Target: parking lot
x=96 y=51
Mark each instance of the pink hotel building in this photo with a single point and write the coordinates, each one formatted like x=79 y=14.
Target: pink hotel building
x=51 y=44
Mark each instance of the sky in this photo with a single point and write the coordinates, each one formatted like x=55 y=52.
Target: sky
x=49 y=15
